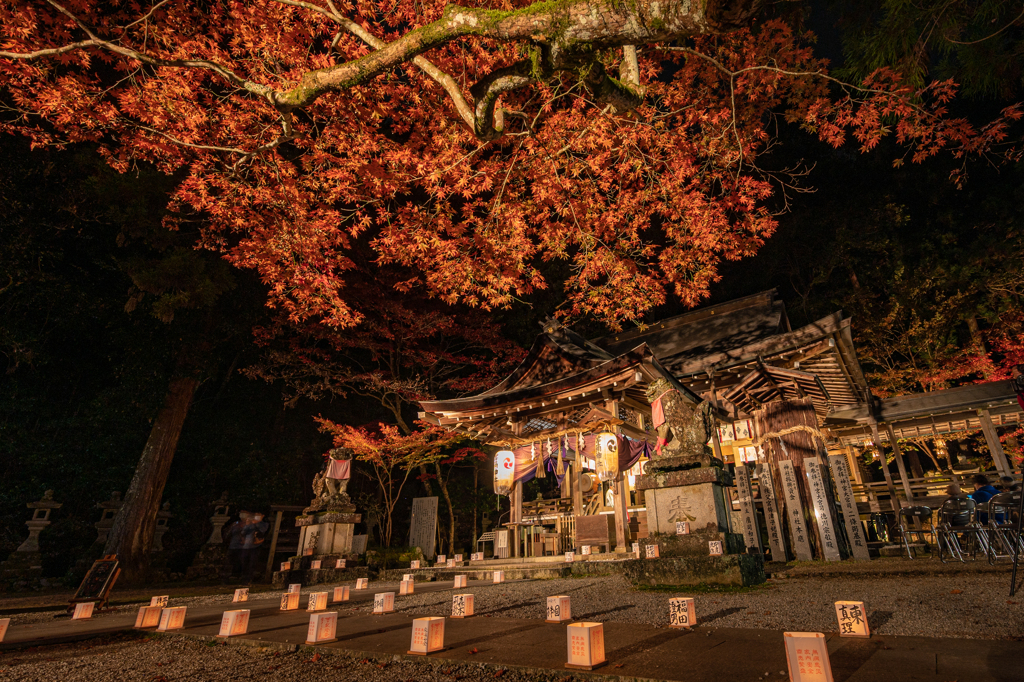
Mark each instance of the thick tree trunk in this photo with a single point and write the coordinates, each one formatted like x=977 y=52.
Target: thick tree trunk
x=451 y=512
x=131 y=536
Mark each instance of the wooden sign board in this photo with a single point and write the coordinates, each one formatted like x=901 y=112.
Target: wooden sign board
x=323 y=628
x=149 y=617
x=799 y=541
x=848 y=505
x=406 y=587
x=159 y=601
x=461 y=581
x=289 y=601
x=585 y=643
x=341 y=593
x=4 y=624
x=558 y=610
x=362 y=583
x=241 y=594
x=172 y=619
x=821 y=510
x=317 y=601
x=383 y=602
x=427 y=636
x=682 y=612
x=462 y=605
x=652 y=551
x=853 y=619
x=771 y=512
x=98 y=582
x=498 y=577
x=234 y=623
x=807 y=657
x=83 y=610
x=745 y=496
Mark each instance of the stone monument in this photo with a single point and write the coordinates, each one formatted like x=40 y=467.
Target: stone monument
x=211 y=559
x=26 y=562
x=162 y=517
x=106 y=522
x=326 y=525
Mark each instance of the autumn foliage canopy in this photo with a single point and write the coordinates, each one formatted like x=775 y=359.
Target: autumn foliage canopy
x=483 y=157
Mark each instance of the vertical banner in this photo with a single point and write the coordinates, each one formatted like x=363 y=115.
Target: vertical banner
x=751 y=533
x=771 y=512
x=794 y=511
x=821 y=512
x=848 y=504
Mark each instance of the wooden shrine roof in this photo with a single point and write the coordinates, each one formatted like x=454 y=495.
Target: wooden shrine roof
x=766 y=383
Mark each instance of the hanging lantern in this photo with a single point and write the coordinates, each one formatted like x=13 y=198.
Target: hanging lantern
x=504 y=472
x=607 y=455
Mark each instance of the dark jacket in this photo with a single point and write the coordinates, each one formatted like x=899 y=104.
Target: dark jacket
x=984 y=494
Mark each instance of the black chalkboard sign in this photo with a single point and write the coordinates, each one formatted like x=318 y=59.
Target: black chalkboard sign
x=98 y=581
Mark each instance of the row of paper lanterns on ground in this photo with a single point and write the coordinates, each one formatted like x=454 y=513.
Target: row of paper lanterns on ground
x=806 y=653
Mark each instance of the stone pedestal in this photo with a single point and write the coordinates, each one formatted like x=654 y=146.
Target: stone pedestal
x=327 y=532
x=696 y=496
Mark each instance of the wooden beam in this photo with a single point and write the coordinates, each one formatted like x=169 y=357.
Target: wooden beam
x=994 y=446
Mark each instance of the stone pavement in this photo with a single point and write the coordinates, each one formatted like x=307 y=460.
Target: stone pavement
x=633 y=651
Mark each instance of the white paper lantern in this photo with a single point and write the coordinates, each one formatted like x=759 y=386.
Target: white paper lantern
x=462 y=605
x=807 y=657
x=715 y=547
x=652 y=551
x=558 y=610
x=682 y=612
x=83 y=611
x=406 y=587
x=585 y=643
x=149 y=617
x=504 y=471
x=289 y=601
x=853 y=619
x=362 y=583
x=607 y=456
x=323 y=627
x=286 y=565
x=427 y=636
x=460 y=581
x=458 y=558
x=172 y=619
x=340 y=563
x=498 y=577
x=341 y=593
x=234 y=623
x=317 y=601
x=570 y=557
x=295 y=587
x=585 y=550
x=441 y=558
x=682 y=527
x=636 y=549
x=450 y=563
x=315 y=564
x=414 y=564
x=241 y=594
x=159 y=601
x=383 y=602
x=4 y=624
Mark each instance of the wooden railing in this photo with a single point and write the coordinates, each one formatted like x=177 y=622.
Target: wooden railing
x=929 y=491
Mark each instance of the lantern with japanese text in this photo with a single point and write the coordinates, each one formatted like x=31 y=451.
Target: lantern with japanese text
x=504 y=472
x=607 y=454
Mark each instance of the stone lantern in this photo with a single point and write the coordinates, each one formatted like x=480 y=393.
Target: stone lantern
x=26 y=562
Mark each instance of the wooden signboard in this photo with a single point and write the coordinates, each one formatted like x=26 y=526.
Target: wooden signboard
x=794 y=511
x=98 y=582
x=771 y=512
x=745 y=496
x=851 y=517
x=821 y=510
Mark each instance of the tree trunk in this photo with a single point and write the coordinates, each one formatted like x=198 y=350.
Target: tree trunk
x=451 y=512
x=131 y=536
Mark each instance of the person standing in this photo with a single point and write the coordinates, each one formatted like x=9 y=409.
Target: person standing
x=252 y=536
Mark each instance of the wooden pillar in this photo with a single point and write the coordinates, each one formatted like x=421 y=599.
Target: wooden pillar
x=994 y=446
x=715 y=440
x=517 y=517
x=894 y=499
x=577 y=474
x=898 y=456
x=273 y=545
x=619 y=495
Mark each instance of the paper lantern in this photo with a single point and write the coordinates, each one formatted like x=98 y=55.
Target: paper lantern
x=498 y=577
x=317 y=601
x=586 y=645
x=460 y=581
x=682 y=527
x=478 y=556
x=289 y=601
x=414 y=564
x=458 y=558
x=286 y=565
x=341 y=593
x=149 y=617
x=570 y=557
x=607 y=455
x=406 y=587
x=340 y=563
x=4 y=624
x=807 y=657
x=307 y=552
x=172 y=619
x=362 y=583
x=83 y=611
x=383 y=602
x=682 y=612
x=585 y=550
x=441 y=558
x=853 y=619
x=295 y=587
x=450 y=563
x=715 y=548
x=323 y=628
x=652 y=551
x=427 y=636
x=408 y=576
x=159 y=601
x=234 y=623
x=462 y=605
x=504 y=472
x=314 y=564
x=558 y=610
x=241 y=594
x=636 y=549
